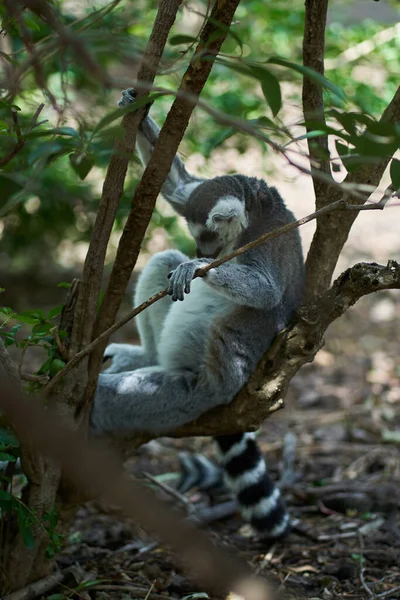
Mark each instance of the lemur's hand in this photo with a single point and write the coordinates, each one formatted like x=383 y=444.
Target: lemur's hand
x=181 y=278
x=128 y=97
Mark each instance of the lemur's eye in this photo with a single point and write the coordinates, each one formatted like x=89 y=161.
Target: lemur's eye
x=207 y=236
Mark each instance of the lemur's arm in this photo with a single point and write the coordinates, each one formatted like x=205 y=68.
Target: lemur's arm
x=244 y=284
x=179 y=183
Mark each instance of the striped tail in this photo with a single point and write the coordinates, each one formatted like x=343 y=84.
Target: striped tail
x=244 y=472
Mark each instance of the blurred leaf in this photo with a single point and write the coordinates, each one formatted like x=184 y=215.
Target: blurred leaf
x=8 y=439
x=82 y=163
x=6 y=457
x=395 y=173
x=25 y=525
x=10 y=184
x=310 y=73
x=175 y=40
x=270 y=87
x=69 y=131
x=54 y=312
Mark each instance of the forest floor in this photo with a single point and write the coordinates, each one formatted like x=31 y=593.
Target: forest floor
x=344 y=486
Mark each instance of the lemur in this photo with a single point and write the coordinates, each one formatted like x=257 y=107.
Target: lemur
x=201 y=343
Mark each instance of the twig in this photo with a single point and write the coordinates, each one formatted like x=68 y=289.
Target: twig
x=60 y=346
x=388 y=592
x=113 y=186
x=170 y=491
x=339 y=205
x=36 y=589
x=158 y=167
x=138 y=592
x=313 y=102
x=21 y=139
x=362 y=568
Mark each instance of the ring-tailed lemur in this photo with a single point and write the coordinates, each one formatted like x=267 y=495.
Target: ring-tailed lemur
x=199 y=353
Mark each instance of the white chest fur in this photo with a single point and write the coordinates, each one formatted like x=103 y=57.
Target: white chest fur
x=186 y=327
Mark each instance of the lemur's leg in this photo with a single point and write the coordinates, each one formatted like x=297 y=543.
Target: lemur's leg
x=179 y=184
x=126 y=357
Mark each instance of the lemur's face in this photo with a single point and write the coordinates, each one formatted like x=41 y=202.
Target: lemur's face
x=216 y=228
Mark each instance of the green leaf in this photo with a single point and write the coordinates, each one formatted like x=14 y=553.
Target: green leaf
x=395 y=173
x=42 y=328
x=64 y=284
x=9 y=185
x=25 y=526
x=175 y=40
x=68 y=131
x=7 y=457
x=270 y=87
x=6 y=500
x=310 y=73
x=82 y=163
x=56 y=366
x=54 y=312
x=8 y=439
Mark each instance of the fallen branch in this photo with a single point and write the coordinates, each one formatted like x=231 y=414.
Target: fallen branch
x=36 y=589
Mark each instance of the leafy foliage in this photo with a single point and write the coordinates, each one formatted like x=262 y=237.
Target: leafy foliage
x=50 y=188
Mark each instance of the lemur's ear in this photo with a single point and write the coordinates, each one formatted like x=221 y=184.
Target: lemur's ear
x=228 y=213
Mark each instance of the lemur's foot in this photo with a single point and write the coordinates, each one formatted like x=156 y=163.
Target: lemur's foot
x=127 y=97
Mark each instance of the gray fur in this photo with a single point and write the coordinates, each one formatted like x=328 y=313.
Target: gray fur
x=197 y=354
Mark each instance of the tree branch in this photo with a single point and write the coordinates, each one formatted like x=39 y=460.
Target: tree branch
x=333 y=229
x=159 y=165
x=103 y=337
x=292 y=348
x=114 y=183
x=313 y=102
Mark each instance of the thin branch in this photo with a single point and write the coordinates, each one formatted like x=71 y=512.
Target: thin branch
x=36 y=589
x=46 y=12
x=103 y=337
x=21 y=139
x=114 y=183
x=156 y=172
x=313 y=102
x=7 y=365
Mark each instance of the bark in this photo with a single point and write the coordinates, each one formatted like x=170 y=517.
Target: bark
x=313 y=102
x=333 y=229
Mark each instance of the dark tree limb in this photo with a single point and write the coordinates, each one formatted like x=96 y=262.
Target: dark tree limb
x=96 y=471
x=156 y=172
x=114 y=182
x=313 y=102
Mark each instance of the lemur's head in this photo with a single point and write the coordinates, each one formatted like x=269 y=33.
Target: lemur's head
x=216 y=215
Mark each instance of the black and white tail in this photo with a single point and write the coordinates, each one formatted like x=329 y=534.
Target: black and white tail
x=244 y=472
